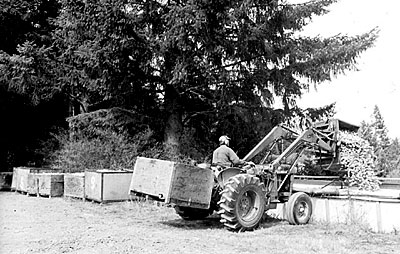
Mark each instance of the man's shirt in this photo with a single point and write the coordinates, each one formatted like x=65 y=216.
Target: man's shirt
x=225 y=156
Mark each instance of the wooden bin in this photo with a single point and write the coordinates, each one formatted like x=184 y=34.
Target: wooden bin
x=20 y=179
x=51 y=184
x=14 y=180
x=5 y=180
x=32 y=187
x=176 y=183
x=107 y=185
x=74 y=185
x=20 y=176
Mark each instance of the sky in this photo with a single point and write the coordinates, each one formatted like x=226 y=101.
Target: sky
x=378 y=80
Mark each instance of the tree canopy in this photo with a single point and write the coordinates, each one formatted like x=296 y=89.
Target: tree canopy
x=232 y=58
x=207 y=67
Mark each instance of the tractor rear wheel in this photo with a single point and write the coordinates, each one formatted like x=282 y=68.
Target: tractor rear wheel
x=299 y=208
x=242 y=203
x=190 y=213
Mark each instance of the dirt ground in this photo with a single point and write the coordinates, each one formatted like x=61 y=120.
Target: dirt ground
x=61 y=225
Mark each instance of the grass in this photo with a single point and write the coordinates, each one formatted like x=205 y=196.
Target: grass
x=42 y=225
x=273 y=236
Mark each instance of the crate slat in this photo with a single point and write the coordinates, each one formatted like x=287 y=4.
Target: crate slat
x=74 y=185
x=51 y=184
x=32 y=184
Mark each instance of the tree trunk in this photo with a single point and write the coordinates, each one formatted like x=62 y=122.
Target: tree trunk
x=173 y=129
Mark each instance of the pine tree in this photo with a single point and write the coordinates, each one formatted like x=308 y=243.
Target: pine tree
x=392 y=153
x=365 y=131
x=380 y=138
x=212 y=66
x=377 y=134
x=227 y=60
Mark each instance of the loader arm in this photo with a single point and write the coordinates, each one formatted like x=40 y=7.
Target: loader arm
x=309 y=138
x=277 y=133
x=321 y=136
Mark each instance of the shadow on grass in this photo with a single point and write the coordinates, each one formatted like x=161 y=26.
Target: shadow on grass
x=269 y=222
x=213 y=222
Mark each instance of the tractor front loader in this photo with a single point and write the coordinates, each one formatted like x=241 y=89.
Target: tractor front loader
x=241 y=196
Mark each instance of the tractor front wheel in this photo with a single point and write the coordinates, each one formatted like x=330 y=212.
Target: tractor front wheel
x=299 y=208
x=242 y=203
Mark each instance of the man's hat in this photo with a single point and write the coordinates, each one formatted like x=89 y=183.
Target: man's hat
x=223 y=139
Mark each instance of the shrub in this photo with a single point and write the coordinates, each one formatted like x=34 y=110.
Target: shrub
x=110 y=150
x=113 y=138
x=105 y=139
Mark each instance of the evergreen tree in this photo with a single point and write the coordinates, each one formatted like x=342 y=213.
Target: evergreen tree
x=226 y=60
x=380 y=139
x=212 y=66
x=377 y=134
x=102 y=57
x=392 y=153
x=22 y=20
x=25 y=29
x=365 y=131
x=381 y=142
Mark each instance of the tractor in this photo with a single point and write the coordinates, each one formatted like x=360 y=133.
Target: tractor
x=241 y=196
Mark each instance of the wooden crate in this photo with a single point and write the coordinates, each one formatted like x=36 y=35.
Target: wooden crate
x=20 y=179
x=152 y=177
x=175 y=183
x=6 y=180
x=32 y=187
x=14 y=179
x=51 y=184
x=74 y=185
x=20 y=176
x=107 y=185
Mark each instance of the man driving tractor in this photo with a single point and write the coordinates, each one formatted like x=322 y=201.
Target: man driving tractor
x=224 y=156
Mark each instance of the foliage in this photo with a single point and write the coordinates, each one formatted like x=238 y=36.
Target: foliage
x=113 y=138
x=386 y=151
x=107 y=138
x=109 y=150
x=201 y=67
x=102 y=57
x=300 y=120
x=391 y=157
x=25 y=28
x=29 y=72
x=115 y=151
x=227 y=60
x=22 y=21
x=376 y=131
x=24 y=48
x=118 y=120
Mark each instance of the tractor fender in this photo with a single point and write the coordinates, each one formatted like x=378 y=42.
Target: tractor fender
x=225 y=174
